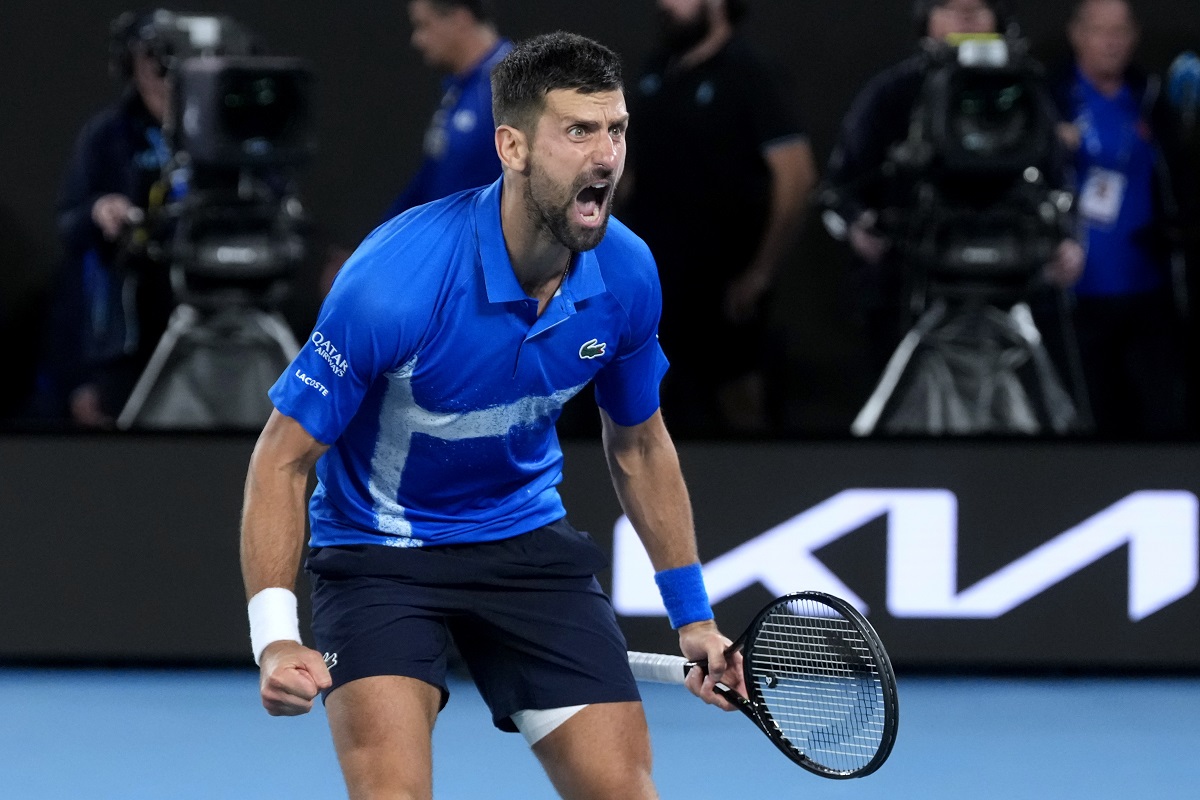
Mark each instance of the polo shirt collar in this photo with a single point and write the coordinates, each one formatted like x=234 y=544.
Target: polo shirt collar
x=583 y=280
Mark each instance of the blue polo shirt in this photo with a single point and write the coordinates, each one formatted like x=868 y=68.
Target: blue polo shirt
x=1116 y=141
x=460 y=143
x=437 y=384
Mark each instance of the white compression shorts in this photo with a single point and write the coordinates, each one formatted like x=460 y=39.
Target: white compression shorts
x=535 y=724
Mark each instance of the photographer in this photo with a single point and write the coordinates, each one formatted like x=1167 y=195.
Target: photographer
x=858 y=190
x=111 y=310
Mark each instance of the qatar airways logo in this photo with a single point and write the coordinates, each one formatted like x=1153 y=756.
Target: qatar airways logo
x=1158 y=528
x=326 y=350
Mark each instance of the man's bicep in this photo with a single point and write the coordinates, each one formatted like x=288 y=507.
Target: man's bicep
x=638 y=438
x=791 y=162
x=285 y=443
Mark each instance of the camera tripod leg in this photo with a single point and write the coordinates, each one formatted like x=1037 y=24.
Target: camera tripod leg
x=1060 y=408
x=276 y=329
x=183 y=319
x=212 y=371
x=868 y=418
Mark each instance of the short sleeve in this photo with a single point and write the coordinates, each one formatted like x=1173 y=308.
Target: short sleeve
x=359 y=336
x=627 y=387
x=774 y=117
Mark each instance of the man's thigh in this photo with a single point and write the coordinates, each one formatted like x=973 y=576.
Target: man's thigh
x=545 y=649
x=601 y=752
x=369 y=626
x=382 y=729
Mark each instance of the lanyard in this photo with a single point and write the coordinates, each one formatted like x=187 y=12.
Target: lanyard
x=1086 y=122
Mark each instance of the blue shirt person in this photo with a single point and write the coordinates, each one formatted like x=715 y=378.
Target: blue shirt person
x=398 y=378
x=427 y=398
x=459 y=150
x=1126 y=319
x=1115 y=165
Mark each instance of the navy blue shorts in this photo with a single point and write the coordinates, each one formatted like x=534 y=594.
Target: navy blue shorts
x=526 y=614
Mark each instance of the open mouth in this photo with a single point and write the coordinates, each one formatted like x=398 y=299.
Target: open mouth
x=591 y=201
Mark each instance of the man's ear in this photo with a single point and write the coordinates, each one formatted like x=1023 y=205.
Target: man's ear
x=513 y=148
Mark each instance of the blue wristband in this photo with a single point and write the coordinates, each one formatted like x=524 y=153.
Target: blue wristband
x=684 y=595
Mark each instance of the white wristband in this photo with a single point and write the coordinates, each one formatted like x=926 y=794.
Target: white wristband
x=272 y=619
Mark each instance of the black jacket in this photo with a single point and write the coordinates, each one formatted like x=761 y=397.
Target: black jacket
x=105 y=316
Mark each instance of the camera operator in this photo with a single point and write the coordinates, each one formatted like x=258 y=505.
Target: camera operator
x=1133 y=205
x=112 y=309
x=857 y=188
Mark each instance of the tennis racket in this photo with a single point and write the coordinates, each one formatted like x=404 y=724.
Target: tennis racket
x=820 y=684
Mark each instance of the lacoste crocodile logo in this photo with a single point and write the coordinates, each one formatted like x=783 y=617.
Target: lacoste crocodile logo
x=592 y=349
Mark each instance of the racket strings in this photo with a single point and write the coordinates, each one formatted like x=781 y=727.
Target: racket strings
x=820 y=684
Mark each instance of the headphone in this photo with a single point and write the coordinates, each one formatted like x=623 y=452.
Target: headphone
x=923 y=8
x=147 y=28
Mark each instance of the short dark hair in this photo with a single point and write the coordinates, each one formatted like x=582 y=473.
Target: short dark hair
x=1078 y=8
x=543 y=64
x=923 y=8
x=133 y=30
x=480 y=9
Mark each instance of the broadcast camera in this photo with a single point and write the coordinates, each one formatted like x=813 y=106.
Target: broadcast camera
x=977 y=212
x=974 y=214
x=226 y=213
x=225 y=219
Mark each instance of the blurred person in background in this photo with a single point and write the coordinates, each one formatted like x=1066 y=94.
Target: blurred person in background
x=459 y=38
x=109 y=310
x=717 y=137
x=879 y=118
x=1133 y=201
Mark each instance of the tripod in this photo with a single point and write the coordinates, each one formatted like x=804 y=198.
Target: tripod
x=225 y=345
x=969 y=366
x=211 y=370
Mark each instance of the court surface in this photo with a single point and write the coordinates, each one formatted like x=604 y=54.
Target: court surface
x=161 y=735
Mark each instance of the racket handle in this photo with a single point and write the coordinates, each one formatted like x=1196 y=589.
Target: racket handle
x=659 y=668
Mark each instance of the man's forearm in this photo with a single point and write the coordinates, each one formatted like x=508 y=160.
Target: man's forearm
x=273 y=525
x=793 y=176
x=650 y=486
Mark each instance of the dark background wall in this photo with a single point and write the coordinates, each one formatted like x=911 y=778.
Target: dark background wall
x=374 y=98
x=124 y=548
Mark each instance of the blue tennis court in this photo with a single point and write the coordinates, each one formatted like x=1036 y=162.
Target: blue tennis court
x=172 y=735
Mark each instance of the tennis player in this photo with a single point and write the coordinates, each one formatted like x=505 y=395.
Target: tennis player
x=426 y=399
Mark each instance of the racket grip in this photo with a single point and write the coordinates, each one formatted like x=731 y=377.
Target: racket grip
x=658 y=668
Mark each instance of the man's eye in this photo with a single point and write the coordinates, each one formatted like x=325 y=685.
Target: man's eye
x=616 y=131
x=576 y=130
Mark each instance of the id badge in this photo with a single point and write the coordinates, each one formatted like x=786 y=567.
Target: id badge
x=1102 y=196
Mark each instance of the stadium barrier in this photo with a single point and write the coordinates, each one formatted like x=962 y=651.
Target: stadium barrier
x=965 y=555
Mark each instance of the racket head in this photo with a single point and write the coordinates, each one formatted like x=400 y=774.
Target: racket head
x=821 y=684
